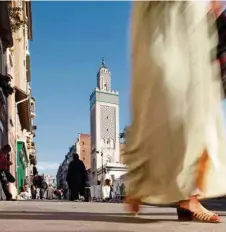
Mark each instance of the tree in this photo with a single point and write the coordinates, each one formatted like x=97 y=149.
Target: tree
x=123 y=134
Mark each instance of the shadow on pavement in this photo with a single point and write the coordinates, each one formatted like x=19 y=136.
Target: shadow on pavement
x=215 y=205
x=81 y=216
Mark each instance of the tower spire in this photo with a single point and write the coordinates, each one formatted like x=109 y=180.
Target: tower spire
x=103 y=62
x=104 y=77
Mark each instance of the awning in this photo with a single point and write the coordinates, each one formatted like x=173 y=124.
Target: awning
x=23 y=109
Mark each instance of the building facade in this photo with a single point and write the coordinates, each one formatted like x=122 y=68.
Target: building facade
x=50 y=180
x=104 y=123
x=21 y=104
x=83 y=149
x=61 y=177
x=6 y=42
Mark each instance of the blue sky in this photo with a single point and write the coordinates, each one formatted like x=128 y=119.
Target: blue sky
x=69 y=40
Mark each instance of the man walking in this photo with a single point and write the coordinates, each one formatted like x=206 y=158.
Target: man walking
x=4 y=167
x=76 y=178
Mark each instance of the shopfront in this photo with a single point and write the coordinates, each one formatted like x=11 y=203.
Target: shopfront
x=22 y=164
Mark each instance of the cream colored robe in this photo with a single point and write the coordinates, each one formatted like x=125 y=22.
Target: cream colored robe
x=175 y=95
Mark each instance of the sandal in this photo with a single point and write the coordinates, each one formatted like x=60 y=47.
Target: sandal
x=134 y=205
x=203 y=215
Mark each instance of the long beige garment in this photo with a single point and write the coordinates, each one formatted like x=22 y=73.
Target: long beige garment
x=176 y=112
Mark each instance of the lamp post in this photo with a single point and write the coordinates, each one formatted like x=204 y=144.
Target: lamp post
x=16 y=113
x=102 y=165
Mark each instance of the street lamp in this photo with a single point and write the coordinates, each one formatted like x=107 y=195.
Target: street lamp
x=16 y=113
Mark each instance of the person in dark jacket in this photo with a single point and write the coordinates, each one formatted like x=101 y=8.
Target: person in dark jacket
x=76 y=177
x=4 y=167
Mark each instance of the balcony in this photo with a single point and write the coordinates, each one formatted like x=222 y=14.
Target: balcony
x=33 y=160
x=32 y=102
x=28 y=146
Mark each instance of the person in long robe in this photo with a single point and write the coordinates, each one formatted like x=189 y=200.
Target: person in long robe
x=176 y=147
x=49 y=192
x=76 y=177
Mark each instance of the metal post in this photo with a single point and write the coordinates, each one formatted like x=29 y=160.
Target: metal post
x=102 y=172
x=16 y=113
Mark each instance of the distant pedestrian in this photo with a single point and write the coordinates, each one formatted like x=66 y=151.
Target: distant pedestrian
x=76 y=177
x=106 y=190
x=38 y=193
x=33 y=192
x=49 y=192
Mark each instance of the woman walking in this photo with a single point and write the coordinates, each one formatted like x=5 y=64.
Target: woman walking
x=176 y=143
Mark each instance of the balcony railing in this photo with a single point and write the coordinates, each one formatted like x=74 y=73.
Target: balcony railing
x=32 y=107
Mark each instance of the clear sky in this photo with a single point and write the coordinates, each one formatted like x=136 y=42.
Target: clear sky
x=69 y=40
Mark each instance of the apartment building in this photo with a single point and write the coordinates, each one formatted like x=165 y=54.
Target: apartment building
x=83 y=149
x=50 y=180
x=21 y=103
x=63 y=168
x=6 y=41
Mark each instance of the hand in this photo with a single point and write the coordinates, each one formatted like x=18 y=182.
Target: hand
x=215 y=7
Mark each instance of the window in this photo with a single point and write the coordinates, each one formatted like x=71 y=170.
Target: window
x=107 y=129
x=83 y=151
x=84 y=158
x=83 y=143
x=107 y=117
x=32 y=107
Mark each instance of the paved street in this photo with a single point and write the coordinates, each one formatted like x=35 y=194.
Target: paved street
x=96 y=217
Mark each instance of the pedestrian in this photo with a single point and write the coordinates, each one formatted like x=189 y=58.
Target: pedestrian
x=176 y=145
x=49 y=192
x=24 y=193
x=106 y=190
x=38 y=193
x=76 y=178
x=43 y=187
x=33 y=192
x=4 y=170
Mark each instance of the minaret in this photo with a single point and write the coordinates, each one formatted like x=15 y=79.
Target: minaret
x=104 y=122
x=104 y=77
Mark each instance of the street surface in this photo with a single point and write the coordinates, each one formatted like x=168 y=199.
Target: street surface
x=54 y=216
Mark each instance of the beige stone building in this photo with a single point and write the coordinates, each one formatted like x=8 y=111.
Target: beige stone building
x=21 y=102
x=83 y=148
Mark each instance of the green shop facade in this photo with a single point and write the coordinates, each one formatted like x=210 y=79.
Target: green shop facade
x=22 y=164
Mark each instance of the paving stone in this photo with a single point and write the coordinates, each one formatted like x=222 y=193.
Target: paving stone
x=55 y=216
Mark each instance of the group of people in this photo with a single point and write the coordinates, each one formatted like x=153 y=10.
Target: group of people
x=37 y=192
